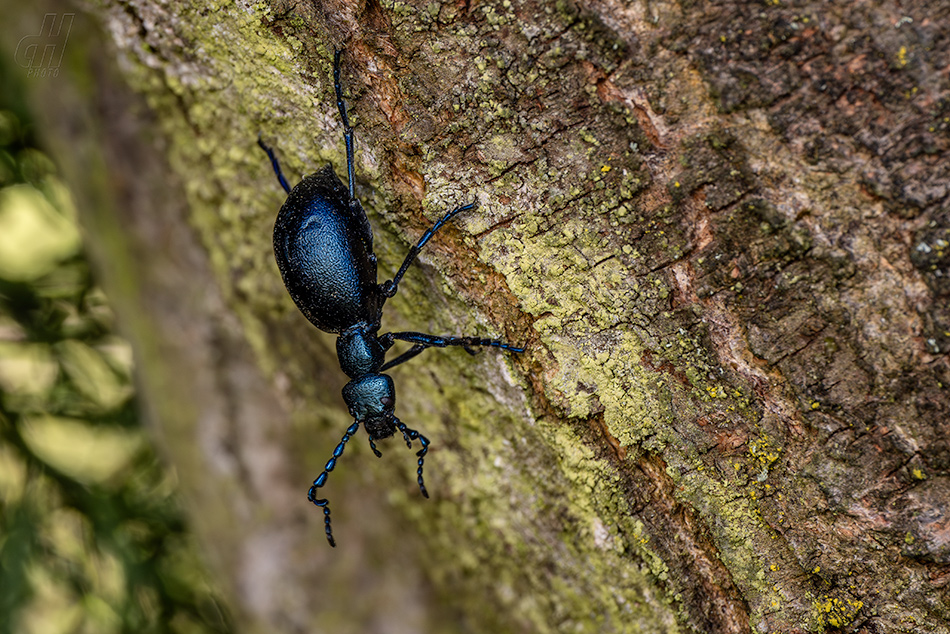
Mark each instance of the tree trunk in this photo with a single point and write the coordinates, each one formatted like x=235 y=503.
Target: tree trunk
x=721 y=230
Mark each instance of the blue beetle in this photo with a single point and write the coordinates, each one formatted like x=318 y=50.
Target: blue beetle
x=323 y=243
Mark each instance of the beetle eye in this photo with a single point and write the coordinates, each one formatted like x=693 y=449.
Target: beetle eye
x=386 y=402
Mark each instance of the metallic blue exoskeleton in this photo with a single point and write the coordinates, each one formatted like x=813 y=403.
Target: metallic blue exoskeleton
x=324 y=248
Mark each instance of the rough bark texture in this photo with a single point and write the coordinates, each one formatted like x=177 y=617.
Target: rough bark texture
x=722 y=230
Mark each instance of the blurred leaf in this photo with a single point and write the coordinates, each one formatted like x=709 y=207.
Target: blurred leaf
x=26 y=369
x=92 y=374
x=34 y=165
x=10 y=329
x=60 y=612
x=12 y=478
x=92 y=454
x=34 y=237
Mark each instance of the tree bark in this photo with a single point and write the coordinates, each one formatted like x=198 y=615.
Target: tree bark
x=722 y=231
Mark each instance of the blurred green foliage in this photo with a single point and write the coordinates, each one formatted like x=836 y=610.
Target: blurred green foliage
x=91 y=536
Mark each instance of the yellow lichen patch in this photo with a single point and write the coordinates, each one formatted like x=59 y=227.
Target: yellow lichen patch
x=901 y=60
x=835 y=612
x=715 y=391
x=763 y=451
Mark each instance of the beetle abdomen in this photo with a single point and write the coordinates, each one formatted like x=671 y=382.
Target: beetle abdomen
x=325 y=254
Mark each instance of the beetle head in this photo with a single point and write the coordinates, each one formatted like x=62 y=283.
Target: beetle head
x=371 y=400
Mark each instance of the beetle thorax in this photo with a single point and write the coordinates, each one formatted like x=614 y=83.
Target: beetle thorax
x=359 y=352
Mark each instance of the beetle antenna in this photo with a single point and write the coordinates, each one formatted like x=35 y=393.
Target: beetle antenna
x=412 y=434
x=322 y=479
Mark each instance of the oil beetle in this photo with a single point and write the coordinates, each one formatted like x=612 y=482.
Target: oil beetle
x=323 y=243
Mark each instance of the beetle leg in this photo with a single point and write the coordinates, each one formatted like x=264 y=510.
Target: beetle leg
x=424 y=341
x=435 y=341
x=405 y=356
x=347 y=128
x=389 y=288
x=274 y=163
x=413 y=434
x=322 y=479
